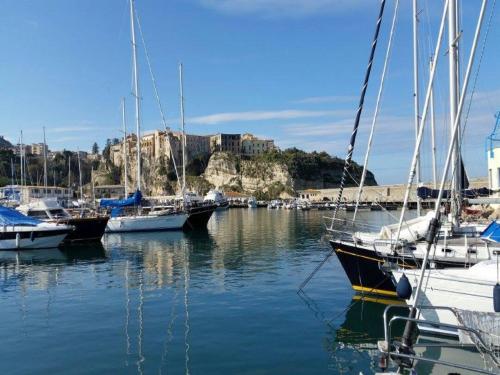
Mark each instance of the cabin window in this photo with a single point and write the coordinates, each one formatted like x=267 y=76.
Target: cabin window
x=38 y=214
x=57 y=214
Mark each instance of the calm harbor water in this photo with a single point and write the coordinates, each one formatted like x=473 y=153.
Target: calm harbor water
x=218 y=302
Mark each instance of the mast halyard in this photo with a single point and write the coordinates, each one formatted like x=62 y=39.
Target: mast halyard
x=183 y=134
x=454 y=90
x=416 y=101
x=80 y=175
x=45 y=178
x=69 y=171
x=433 y=132
x=125 y=169
x=352 y=141
x=21 y=156
x=136 y=94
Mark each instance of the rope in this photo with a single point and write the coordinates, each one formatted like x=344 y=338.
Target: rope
x=352 y=142
x=318 y=267
x=157 y=96
x=478 y=68
x=377 y=106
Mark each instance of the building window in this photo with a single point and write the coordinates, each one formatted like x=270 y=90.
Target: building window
x=490 y=179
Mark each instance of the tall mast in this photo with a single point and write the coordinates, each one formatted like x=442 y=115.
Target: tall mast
x=433 y=132
x=352 y=141
x=125 y=172
x=136 y=94
x=80 y=175
x=416 y=91
x=454 y=89
x=183 y=132
x=45 y=177
x=12 y=177
x=21 y=156
x=69 y=171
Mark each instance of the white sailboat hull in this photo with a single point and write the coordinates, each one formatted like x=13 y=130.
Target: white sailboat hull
x=464 y=289
x=142 y=223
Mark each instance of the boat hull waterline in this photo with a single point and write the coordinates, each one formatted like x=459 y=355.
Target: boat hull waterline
x=146 y=223
x=33 y=239
x=199 y=216
x=364 y=267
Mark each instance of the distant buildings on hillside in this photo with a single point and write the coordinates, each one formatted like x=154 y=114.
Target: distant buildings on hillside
x=158 y=144
x=33 y=149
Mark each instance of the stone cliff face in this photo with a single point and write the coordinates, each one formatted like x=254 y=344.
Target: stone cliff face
x=275 y=174
x=225 y=171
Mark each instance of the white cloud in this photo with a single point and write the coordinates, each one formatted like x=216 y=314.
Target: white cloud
x=70 y=129
x=283 y=8
x=393 y=124
x=218 y=118
x=327 y=99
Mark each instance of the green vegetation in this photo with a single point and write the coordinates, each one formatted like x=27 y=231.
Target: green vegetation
x=314 y=166
x=199 y=184
x=57 y=168
x=273 y=191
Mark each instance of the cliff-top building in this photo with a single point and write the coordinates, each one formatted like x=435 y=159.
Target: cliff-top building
x=226 y=143
x=155 y=145
x=251 y=145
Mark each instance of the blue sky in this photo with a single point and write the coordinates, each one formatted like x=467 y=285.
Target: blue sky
x=290 y=70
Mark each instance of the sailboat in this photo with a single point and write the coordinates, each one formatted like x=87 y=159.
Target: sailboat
x=87 y=227
x=368 y=253
x=135 y=221
x=199 y=212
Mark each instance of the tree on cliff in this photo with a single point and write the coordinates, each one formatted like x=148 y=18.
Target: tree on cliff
x=95 y=148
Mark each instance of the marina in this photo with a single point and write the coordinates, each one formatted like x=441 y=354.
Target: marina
x=237 y=241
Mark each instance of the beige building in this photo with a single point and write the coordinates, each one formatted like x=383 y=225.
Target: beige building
x=251 y=145
x=38 y=149
x=156 y=144
x=27 y=193
x=27 y=149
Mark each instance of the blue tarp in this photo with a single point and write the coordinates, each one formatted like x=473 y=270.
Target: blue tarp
x=427 y=193
x=116 y=211
x=8 y=216
x=134 y=200
x=492 y=232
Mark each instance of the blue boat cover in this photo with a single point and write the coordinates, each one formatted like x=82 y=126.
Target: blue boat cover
x=492 y=232
x=134 y=200
x=116 y=211
x=8 y=216
x=428 y=193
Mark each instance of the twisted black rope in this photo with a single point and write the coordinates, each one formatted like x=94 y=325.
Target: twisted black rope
x=352 y=141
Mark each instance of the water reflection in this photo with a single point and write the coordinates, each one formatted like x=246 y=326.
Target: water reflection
x=352 y=335
x=40 y=269
x=216 y=301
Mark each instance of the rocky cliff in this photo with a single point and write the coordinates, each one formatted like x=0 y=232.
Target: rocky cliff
x=273 y=174
x=279 y=172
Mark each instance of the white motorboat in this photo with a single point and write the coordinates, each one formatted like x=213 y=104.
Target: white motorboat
x=87 y=225
x=18 y=231
x=218 y=198
x=252 y=202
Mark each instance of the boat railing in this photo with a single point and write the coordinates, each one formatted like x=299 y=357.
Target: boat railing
x=388 y=350
x=344 y=229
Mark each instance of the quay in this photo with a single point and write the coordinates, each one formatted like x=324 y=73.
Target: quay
x=384 y=194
